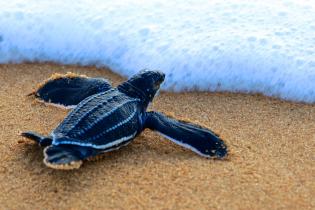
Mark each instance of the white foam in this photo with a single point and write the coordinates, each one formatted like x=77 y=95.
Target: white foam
x=248 y=46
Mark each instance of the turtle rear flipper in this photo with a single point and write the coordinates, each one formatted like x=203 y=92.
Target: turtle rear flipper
x=66 y=156
x=40 y=139
x=194 y=137
x=70 y=89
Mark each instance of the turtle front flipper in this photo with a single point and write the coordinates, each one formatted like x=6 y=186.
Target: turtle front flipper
x=70 y=89
x=67 y=157
x=194 y=137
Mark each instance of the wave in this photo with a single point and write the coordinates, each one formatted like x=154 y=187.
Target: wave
x=253 y=47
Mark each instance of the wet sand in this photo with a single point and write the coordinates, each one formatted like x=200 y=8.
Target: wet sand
x=270 y=166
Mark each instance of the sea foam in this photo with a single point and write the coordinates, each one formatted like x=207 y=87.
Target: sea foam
x=253 y=46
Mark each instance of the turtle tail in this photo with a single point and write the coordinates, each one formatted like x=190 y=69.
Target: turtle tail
x=66 y=156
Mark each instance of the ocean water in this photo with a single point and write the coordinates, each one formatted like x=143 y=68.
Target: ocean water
x=251 y=46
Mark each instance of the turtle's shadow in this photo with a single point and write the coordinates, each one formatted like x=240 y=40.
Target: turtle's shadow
x=33 y=156
x=74 y=179
x=68 y=182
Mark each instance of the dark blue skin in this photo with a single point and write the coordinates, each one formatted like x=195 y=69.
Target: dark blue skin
x=107 y=118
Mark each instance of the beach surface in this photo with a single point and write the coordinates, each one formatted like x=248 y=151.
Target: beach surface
x=271 y=164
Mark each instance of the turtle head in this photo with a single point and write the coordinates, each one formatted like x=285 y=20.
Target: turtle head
x=144 y=85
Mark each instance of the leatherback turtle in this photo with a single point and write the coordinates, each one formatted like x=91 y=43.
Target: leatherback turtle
x=105 y=118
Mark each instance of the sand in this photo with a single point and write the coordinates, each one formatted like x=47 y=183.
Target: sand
x=270 y=166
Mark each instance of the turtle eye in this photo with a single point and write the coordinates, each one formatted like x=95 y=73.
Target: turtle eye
x=157 y=86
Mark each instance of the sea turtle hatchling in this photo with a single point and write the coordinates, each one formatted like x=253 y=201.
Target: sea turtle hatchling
x=105 y=118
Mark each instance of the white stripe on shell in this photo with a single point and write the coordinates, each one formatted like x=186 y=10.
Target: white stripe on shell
x=82 y=103
x=114 y=127
x=88 y=112
x=188 y=146
x=113 y=143
x=104 y=116
x=116 y=148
